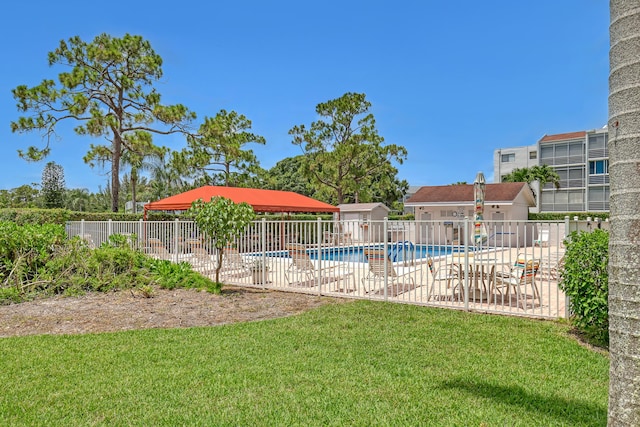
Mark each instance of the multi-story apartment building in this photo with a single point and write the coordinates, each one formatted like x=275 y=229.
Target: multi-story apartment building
x=505 y=160
x=581 y=159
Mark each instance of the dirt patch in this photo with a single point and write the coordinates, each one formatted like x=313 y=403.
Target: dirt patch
x=126 y=310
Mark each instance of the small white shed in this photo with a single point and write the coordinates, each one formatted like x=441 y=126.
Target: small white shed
x=356 y=218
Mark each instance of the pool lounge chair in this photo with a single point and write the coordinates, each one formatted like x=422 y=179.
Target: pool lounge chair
x=303 y=272
x=157 y=249
x=543 y=239
x=199 y=257
x=381 y=270
x=551 y=265
x=233 y=264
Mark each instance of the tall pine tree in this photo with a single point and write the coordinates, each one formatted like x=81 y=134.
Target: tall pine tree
x=53 y=185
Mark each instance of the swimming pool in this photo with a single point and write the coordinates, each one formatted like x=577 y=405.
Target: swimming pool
x=397 y=252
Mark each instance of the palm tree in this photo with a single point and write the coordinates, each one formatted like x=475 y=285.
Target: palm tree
x=136 y=160
x=101 y=201
x=165 y=179
x=518 y=175
x=624 y=243
x=77 y=199
x=543 y=174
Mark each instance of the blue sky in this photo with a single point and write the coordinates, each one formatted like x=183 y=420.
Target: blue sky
x=450 y=81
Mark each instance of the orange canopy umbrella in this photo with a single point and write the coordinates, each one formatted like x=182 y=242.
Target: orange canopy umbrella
x=260 y=200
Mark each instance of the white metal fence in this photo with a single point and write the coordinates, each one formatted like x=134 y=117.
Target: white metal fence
x=418 y=262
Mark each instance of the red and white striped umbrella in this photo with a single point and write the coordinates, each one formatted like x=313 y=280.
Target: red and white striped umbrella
x=479 y=229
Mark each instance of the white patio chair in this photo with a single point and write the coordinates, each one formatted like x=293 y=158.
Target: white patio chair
x=445 y=273
x=381 y=269
x=521 y=275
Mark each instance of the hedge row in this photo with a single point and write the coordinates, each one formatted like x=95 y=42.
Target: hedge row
x=555 y=216
x=23 y=216
x=60 y=216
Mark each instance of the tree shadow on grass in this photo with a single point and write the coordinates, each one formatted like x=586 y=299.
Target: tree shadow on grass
x=566 y=411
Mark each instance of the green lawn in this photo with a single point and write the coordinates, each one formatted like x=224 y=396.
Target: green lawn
x=361 y=363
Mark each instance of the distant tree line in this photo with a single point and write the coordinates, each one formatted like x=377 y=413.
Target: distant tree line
x=107 y=88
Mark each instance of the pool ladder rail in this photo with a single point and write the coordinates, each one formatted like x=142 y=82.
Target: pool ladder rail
x=407 y=249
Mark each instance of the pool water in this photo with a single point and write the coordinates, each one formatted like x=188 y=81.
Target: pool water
x=397 y=252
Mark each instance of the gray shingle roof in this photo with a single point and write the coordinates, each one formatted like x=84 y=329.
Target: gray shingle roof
x=357 y=207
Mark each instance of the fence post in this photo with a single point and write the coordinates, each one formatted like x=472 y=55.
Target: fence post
x=109 y=228
x=263 y=248
x=82 y=228
x=140 y=231
x=567 y=299
x=466 y=262
x=176 y=230
x=319 y=252
x=385 y=236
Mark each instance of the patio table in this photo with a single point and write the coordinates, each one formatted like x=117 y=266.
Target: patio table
x=482 y=275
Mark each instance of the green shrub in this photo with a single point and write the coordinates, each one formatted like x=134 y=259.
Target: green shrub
x=26 y=249
x=197 y=281
x=585 y=281
x=75 y=268
x=168 y=275
x=22 y=216
x=37 y=260
x=559 y=216
x=401 y=217
x=104 y=216
x=294 y=217
x=9 y=295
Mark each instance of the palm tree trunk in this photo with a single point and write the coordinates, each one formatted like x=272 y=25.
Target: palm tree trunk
x=624 y=241
x=115 y=172
x=134 y=181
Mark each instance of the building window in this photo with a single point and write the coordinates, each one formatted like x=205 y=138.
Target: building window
x=598 y=199
x=563 y=153
x=599 y=167
x=508 y=158
x=562 y=201
x=569 y=177
x=576 y=177
x=453 y=214
x=597 y=141
x=598 y=146
x=546 y=152
x=533 y=155
x=576 y=152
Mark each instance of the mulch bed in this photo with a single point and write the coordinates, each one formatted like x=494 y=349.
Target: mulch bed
x=128 y=310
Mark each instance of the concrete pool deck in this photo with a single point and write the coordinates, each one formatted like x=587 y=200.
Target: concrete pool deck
x=349 y=279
